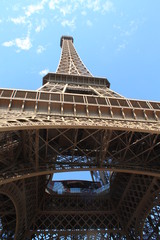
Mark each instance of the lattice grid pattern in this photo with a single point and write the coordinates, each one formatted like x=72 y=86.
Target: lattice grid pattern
x=75 y=122
x=70 y=62
x=7 y=218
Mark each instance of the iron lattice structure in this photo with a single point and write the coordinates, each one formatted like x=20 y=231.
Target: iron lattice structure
x=75 y=122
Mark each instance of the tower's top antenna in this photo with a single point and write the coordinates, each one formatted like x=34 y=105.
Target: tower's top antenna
x=65 y=38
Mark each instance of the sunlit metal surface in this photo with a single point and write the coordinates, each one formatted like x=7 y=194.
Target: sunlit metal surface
x=75 y=122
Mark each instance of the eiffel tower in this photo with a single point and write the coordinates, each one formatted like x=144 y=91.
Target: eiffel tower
x=75 y=122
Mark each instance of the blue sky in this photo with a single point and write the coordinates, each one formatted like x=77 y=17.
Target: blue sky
x=117 y=39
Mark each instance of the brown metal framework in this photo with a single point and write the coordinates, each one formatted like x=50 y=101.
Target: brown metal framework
x=75 y=122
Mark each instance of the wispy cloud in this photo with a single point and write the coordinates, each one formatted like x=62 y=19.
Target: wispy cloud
x=68 y=23
x=127 y=30
x=124 y=33
x=97 y=5
x=20 y=43
x=19 y=20
x=108 y=6
x=122 y=46
x=41 y=26
x=53 y=4
x=84 y=13
x=44 y=72
x=67 y=9
x=89 y=23
x=23 y=43
x=65 y=13
x=40 y=49
x=62 y=9
x=31 y=9
x=133 y=26
x=8 y=44
x=94 y=5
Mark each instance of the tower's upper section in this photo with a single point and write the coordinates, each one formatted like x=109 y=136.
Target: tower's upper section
x=70 y=63
x=71 y=69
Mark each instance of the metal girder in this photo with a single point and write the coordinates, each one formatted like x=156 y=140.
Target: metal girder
x=74 y=122
x=90 y=213
x=33 y=106
x=43 y=146
x=12 y=203
x=82 y=150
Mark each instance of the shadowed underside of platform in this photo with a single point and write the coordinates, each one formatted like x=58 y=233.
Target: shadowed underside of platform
x=75 y=122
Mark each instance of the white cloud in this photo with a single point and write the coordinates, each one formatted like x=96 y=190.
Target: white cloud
x=133 y=25
x=69 y=23
x=98 y=6
x=18 y=20
x=8 y=44
x=63 y=6
x=124 y=33
x=121 y=46
x=31 y=9
x=128 y=30
x=107 y=6
x=94 y=5
x=53 y=4
x=41 y=26
x=40 y=49
x=67 y=9
x=63 y=9
x=44 y=72
x=21 y=43
x=89 y=23
x=84 y=13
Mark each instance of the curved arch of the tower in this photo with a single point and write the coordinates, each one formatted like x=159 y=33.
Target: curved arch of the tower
x=75 y=122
